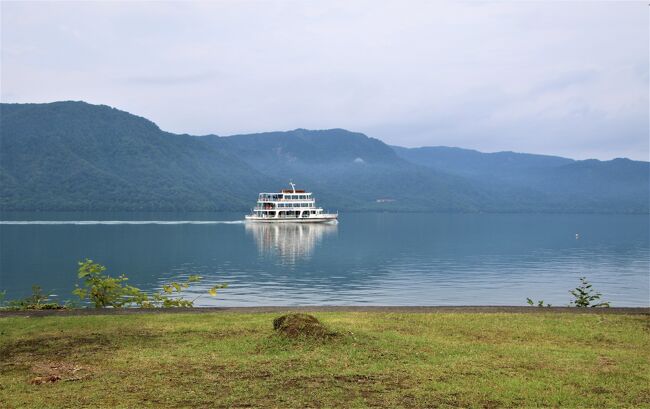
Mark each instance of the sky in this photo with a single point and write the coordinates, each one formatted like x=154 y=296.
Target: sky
x=560 y=78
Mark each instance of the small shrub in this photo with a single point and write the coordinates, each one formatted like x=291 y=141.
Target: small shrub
x=539 y=303
x=585 y=296
x=165 y=298
x=105 y=291
x=36 y=301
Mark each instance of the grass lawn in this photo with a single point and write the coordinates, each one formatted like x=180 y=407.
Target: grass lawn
x=379 y=359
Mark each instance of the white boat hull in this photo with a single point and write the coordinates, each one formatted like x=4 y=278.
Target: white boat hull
x=321 y=218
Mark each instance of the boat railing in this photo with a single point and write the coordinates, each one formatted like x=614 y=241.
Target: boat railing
x=268 y=199
x=287 y=208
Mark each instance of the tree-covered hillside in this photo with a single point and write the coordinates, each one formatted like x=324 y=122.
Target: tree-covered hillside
x=77 y=156
x=352 y=171
x=619 y=185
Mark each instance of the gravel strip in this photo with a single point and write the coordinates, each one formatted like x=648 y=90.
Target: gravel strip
x=381 y=309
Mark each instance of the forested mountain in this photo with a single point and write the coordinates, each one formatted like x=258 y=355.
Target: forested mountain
x=352 y=171
x=475 y=164
x=77 y=156
x=619 y=185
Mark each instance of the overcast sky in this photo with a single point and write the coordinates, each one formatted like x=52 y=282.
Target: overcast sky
x=559 y=78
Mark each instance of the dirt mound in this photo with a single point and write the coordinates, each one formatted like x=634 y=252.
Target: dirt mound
x=301 y=325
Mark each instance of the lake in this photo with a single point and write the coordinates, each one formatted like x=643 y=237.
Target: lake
x=367 y=259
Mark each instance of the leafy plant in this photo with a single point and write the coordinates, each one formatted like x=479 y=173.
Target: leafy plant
x=106 y=291
x=585 y=296
x=166 y=299
x=103 y=290
x=539 y=303
x=36 y=301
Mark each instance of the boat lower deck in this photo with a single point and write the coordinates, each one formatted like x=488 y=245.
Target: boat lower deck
x=318 y=219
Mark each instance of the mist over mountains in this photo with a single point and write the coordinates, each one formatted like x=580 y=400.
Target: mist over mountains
x=78 y=156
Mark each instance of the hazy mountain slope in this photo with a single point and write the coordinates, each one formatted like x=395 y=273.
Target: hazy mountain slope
x=619 y=185
x=475 y=164
x=77 y=156
x=351 y=170
x=312 y=147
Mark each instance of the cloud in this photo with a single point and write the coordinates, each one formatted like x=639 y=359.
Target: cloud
x=183 y=79
x=553 y=77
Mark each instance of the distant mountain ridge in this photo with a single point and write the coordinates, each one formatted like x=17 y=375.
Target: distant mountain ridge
x=310 y=146
x=78 y=156
x=473 y=163
x=620 y=184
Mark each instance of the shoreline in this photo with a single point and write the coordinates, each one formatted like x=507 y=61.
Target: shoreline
x=331 y=308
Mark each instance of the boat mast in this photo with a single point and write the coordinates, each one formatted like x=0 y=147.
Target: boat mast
x=293 y=186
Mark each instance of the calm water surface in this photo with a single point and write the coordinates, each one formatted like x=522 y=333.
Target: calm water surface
x=367 y=259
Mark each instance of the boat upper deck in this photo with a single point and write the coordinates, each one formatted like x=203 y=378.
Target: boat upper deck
x=298 y=195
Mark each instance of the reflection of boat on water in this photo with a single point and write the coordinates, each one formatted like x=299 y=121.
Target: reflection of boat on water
x=291 y=241
x=289 y=205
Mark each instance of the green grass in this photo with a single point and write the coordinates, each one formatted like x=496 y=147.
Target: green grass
x=379 y=359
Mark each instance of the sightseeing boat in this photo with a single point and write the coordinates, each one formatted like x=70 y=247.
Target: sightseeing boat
x=290 y=205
